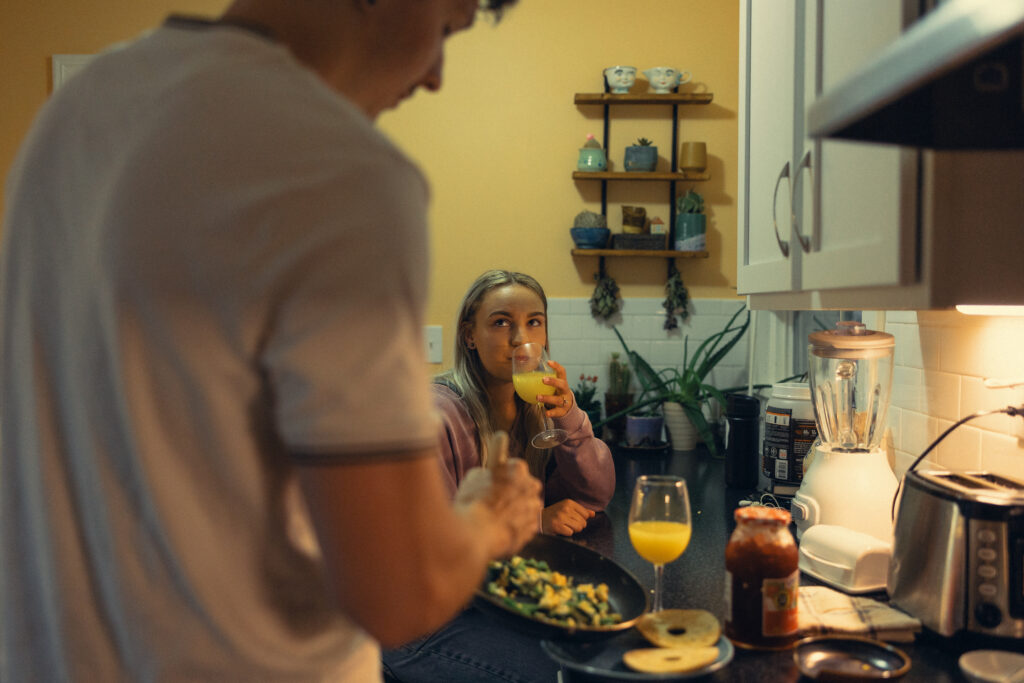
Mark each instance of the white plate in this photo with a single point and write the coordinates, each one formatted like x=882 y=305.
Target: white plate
x=991 y=666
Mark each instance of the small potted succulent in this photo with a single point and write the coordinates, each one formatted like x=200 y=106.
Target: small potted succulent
x=691 y=223
x=592 y=156
x=643 y=156
x=589 y=230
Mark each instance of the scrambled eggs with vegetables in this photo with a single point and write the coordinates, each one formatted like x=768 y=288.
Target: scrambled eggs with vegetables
x=532 y=589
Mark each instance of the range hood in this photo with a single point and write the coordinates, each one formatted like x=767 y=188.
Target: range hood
x=953 y=80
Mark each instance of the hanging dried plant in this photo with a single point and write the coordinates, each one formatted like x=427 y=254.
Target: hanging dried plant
x=676 y=300
x=605 y=301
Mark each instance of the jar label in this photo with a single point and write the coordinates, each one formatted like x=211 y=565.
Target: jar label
x=787 y=440
x=778 y=605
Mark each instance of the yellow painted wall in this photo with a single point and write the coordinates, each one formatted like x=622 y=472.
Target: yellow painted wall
x=501 y=139
x=499 y=142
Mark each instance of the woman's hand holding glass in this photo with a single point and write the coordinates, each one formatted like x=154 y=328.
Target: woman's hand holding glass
x=540 y=381
x=659 y=523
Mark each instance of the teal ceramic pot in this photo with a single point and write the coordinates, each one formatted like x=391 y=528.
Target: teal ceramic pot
x=644 y=431
x=690 y=231
x=640 y=158
x=592 y=159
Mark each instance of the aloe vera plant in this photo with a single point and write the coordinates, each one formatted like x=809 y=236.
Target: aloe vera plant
x=686 y=384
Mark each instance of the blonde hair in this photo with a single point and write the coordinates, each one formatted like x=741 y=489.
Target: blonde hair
x=468 y=377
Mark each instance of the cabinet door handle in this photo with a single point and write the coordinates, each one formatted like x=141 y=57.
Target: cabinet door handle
x=784 y=173
x=805 y=242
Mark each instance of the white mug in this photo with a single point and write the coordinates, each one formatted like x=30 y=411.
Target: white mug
x=620 y=78
x=664 y=78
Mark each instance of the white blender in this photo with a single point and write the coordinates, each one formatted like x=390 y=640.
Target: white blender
x=849 y=482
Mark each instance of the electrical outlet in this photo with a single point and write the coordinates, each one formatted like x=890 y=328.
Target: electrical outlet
x=433 y=336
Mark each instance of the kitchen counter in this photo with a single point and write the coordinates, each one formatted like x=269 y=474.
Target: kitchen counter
x=696 y=580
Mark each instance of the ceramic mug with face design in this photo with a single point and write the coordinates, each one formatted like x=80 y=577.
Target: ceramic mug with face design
x=620 y=78
x=664 y=78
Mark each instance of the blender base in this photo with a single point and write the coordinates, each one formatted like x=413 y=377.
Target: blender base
x=851 y=490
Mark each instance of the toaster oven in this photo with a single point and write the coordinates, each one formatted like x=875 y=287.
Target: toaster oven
x=958 y=552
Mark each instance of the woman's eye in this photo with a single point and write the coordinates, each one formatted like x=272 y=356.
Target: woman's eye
x=537 y=322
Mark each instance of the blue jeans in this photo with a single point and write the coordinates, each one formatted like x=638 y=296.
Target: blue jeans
x=472 y=648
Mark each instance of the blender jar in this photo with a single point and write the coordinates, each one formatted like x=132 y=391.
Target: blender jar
x=850 y=373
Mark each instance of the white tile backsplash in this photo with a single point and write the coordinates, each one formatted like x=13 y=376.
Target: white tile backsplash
x=584 y=345
x=942 y=360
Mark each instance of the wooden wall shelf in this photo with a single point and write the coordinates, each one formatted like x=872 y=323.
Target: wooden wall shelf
x=643 y=253
x=672 y=177
x=650 y=98
x=640 y=175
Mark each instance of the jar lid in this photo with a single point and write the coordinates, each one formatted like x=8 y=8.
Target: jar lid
x=741 y=405
x=797 y=391
x=762 y=514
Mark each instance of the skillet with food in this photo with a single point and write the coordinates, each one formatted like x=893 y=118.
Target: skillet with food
x=612 y=598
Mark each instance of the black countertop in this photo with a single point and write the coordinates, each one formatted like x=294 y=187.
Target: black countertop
x=696 y=580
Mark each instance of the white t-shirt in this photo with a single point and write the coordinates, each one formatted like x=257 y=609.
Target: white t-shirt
x=210 y=261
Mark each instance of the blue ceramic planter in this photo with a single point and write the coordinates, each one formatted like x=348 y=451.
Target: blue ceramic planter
x=644 y=431
x=641 y=158
x=590 y=238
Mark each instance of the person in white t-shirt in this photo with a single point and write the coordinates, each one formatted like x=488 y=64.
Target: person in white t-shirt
x=217 y=444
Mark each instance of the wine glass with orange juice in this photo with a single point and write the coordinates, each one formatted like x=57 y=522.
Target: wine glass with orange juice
x=659 y=523
x=529 y=368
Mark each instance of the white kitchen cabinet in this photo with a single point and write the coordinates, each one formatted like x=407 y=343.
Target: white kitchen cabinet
x=767 y=85
x=836 y=224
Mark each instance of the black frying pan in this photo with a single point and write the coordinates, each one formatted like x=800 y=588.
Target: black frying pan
x=625 y=593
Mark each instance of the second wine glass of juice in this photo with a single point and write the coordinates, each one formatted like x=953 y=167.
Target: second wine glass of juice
x=529 y=368
x=659 y=523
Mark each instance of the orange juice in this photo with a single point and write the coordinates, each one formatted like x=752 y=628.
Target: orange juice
x=659 y=542
x=529 y=384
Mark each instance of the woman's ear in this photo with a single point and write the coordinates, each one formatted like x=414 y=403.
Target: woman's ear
x=467 y=336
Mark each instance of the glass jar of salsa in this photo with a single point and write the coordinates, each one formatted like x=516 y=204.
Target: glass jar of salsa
x=762 y=579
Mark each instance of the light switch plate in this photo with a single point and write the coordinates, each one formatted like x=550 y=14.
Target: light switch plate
x=433 y=337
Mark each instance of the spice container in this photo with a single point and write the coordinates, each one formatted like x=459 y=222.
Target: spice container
x=761 y=580
x=789 y=433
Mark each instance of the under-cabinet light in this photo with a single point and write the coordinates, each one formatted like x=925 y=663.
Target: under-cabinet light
x=1017 y=311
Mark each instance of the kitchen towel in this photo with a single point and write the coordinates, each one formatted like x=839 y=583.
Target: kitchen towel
x=822 y=610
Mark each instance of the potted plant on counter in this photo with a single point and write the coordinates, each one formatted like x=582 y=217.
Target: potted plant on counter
x=644 y=427
x=684 y=389
x=618 y=398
